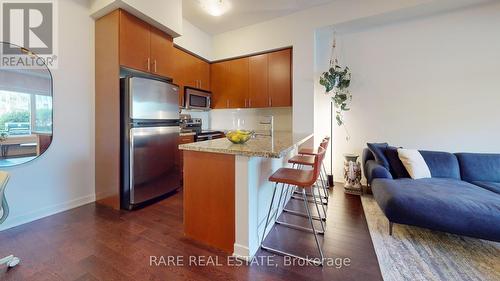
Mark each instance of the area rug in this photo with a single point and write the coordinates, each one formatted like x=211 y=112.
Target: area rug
x=414 y=253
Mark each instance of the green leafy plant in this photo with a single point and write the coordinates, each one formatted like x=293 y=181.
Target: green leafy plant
x=336 y=82
x=3 y=136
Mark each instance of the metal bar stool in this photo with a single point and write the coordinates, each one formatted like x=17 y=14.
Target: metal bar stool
x=308 y=161
x=302 y=179
x=312 y=151
x=309 y=152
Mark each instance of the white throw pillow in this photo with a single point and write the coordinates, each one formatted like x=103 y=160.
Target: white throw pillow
x=414 y=163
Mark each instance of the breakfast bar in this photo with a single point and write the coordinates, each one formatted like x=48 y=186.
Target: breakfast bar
x=226 y=189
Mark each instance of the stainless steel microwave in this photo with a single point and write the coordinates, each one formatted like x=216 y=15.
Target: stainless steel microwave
x=197 y=98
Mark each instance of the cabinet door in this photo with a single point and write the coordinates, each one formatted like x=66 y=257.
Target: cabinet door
x=219 y=73
x=280 y=86
x=238 y=83
x=258 y=95
x=204 y=75
x=162 y=53
x=180 y=160
x=134 y=42
x=180 y=64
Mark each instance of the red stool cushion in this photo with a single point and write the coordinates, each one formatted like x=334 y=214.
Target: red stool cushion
x=298 y=177
x=307 y=160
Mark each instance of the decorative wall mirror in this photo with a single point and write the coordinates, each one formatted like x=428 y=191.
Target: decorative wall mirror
x=25 y=105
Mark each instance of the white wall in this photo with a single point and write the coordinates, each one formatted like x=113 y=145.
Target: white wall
x=164 y=14
x=63 y=177
x=430 y=83
x=297 y=30
x=195 y=40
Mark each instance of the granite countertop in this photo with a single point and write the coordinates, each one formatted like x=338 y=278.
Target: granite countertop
x=261 y=146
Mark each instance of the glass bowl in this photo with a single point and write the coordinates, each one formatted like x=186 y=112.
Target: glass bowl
x=239 y=136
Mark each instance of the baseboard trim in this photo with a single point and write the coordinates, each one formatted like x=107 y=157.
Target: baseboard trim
x=241 y=252
x=47 y=211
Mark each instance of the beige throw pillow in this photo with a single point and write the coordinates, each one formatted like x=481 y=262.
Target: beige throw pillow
x=414 y=163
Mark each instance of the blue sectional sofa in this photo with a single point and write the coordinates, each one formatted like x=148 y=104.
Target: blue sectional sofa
x=462 y=197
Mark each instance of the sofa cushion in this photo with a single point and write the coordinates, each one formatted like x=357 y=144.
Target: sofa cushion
x=491 y=186
x=374 y=170
x=378 y=152
x=442 y=164
x=414 y=163
x=396 y=167
x=440 y=204
x=479 y=167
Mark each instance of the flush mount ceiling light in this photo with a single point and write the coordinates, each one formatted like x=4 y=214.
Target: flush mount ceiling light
x=215 y=7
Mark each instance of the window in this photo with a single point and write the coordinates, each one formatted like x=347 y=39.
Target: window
x=43 y=114
x=23 y=113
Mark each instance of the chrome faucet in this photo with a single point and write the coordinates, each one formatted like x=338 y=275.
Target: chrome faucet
x=270 y=123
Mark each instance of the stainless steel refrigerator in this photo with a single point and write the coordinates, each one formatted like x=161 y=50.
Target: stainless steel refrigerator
x=149 y=140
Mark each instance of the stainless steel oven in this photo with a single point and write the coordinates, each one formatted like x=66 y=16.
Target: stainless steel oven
x=197 y=99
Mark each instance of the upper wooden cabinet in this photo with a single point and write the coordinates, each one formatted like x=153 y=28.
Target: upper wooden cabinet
x=144 y=47
x=219 y=74
x=134 y=42
x=253 y=82
x=229 y=80
x=238 y=83
x=162 y=53
x=190 y=71
x=280 y=83
x=258 y=93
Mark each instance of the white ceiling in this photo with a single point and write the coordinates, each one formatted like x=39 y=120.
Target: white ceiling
x=243 y=13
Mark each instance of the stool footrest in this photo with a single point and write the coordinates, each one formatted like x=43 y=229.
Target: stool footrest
x=308 y=200
x=298 y=227
x=303 y=214
x=316 y=261
x=310 y=195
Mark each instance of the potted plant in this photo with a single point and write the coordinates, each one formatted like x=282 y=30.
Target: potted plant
x=336 y=82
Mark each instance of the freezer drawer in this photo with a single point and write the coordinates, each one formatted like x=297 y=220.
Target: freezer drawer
x=153 y=165
x=152 y=99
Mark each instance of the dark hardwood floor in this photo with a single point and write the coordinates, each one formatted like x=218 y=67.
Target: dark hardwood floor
x=96 y=243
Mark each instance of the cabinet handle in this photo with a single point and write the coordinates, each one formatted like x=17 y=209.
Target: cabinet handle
x=149 y=64
x=155 y=65
x=227 y=103
x=270 y=101
x=249 y=102
x=245 y=102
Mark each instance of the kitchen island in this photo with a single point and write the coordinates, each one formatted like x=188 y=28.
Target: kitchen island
x=227 y=192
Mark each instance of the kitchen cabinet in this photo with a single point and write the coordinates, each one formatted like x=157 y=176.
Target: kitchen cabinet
x=280 y=83
x=229 y=81
x=219 y=74
x=144 y=47
x=257 y=81
x=162 y=53
x=238 y=83
x=190 y=71
x=134 y=42
x=258 y=93
x=183 y=140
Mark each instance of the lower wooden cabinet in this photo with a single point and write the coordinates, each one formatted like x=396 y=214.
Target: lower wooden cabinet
x=183 y=140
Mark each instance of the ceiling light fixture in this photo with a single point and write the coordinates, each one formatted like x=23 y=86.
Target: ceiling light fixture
x=215 y=7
